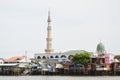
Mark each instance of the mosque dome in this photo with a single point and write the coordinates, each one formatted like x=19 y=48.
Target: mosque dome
x=100 y=48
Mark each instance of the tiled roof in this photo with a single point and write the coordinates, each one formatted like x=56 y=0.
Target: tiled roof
x=15 y=59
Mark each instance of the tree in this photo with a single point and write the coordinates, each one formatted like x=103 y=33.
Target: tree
x=81 y=58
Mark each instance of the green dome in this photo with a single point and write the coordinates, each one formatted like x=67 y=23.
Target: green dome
x=100 y=48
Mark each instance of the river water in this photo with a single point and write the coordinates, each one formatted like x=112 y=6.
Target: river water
x=59 y=78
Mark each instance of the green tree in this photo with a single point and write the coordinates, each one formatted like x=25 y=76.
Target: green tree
x=82 y=58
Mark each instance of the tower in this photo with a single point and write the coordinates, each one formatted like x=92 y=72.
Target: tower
x=49 y=37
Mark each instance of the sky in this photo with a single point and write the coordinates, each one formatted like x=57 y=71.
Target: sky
x=76 y=25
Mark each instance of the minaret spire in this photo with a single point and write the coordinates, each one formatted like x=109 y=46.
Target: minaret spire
x=49 y=19
x=49 y=38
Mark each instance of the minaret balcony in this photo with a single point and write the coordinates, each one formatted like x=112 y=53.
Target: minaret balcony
x=49 y=50
x=49 y=28
x=49 y=39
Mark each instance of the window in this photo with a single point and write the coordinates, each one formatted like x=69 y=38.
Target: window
x=63 y=56
x=38 y=57
x=43 y=57
x=51 y=57
x=57 y=56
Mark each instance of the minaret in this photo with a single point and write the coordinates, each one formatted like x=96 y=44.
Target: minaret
x=49 y=38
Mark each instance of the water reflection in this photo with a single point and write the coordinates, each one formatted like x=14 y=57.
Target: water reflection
x=59 y=78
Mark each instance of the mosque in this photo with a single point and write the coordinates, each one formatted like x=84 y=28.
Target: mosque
x=49 y=51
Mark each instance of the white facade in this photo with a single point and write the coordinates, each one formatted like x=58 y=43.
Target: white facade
x=52 y=56
x=60 y=55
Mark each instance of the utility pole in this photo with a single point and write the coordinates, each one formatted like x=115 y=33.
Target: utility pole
x=114 y=67
x=26 y=58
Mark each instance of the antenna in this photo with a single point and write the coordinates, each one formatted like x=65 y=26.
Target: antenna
x=26 y=56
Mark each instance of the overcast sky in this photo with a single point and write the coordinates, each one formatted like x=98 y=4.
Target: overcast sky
x=76 y=25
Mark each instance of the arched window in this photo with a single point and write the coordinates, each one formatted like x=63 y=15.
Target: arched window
x=51 y=57
x=63 y=56
x=43 y=57
x=38 y=57
x=57 y=56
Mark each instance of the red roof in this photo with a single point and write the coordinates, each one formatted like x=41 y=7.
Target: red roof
x=15 y=59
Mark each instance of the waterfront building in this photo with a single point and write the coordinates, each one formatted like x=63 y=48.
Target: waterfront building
x=14 y=65
x=102 y=58
x=23 y=61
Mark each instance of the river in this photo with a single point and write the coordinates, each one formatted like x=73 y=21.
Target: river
x=59 y=77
